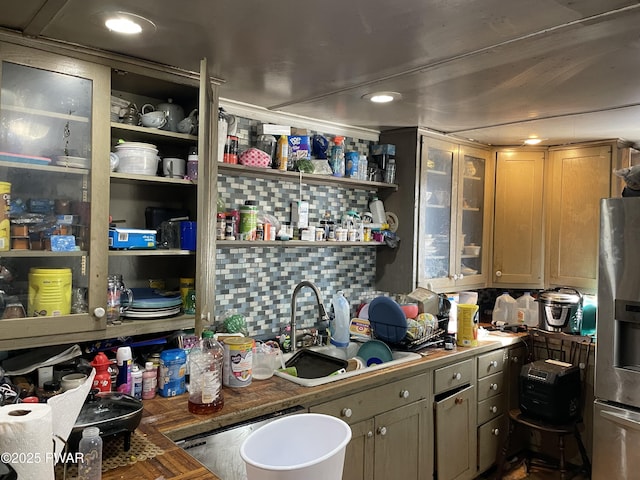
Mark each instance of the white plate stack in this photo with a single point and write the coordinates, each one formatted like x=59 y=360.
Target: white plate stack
x=138 y=158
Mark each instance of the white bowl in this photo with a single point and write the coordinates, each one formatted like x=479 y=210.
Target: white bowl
x=142 y=161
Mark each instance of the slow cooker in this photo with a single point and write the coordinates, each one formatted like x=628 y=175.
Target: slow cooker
x=560 y=310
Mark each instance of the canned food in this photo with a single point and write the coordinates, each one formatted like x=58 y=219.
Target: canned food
x=238 y=361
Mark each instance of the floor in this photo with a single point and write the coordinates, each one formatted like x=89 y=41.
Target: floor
x=518 y=472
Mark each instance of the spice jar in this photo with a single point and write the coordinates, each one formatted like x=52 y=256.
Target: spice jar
x=230 y=227
x=220 y=226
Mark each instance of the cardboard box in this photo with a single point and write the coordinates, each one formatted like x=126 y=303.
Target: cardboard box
x=132 y=238
x=272 y=129
x=428 y=301
x=299 y=147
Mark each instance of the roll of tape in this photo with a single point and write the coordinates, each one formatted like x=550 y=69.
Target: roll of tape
x=392 y=220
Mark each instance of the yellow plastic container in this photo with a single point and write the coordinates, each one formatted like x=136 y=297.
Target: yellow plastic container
x=49 y=292
x=467 y=325
x=5 y=227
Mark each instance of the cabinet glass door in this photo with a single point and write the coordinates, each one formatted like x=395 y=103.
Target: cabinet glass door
x=471 y=214
x=436 y=193
x=46 y=160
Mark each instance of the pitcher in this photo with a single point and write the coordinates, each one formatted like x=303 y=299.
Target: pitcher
x=115 y=290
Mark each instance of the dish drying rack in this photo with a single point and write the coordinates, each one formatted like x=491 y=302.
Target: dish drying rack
x=432 y=338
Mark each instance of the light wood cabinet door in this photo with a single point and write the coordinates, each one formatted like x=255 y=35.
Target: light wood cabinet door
x=455 y=422
x=517 y=231
x=577 y=179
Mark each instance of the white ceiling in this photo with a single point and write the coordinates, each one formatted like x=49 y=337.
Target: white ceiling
x=495 y=71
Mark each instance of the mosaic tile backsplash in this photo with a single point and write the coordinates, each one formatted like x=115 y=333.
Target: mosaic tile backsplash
x=258 y=281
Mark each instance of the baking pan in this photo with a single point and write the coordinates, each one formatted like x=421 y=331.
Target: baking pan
x=311 y=364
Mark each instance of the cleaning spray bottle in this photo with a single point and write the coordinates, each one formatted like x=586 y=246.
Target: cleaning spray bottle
x=337 y=157
x=340 y=324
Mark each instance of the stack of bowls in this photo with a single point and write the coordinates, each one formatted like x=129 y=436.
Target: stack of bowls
x=138 y=158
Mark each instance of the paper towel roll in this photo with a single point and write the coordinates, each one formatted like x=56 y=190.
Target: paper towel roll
x=26 y=439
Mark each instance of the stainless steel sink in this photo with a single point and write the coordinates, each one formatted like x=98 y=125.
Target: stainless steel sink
x=351 y=351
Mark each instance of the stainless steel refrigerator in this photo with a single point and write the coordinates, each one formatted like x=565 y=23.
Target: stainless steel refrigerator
x=616 y=420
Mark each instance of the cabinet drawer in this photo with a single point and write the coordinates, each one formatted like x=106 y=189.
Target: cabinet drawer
x=366 y=404
x=490 y=386
x=490 y=408
x=490 y=438
x=453 y=376
x=491 y=363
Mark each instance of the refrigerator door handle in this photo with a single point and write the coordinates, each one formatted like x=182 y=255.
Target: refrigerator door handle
x=620 y=419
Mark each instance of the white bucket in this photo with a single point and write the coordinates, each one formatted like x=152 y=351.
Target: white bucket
x=309 y=446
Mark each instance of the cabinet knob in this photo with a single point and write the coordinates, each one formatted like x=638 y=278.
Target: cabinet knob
x=495 y=431
x=498 y=274
x=514 y=359
x=99 y=312
x=494 y=386
x=457 y=376
x=404 y=394
x=369 y=434
x=459 y=400
x=493 y=364
x=493 y=409
x=382 y=430
x=461 y=276
x=346 y=412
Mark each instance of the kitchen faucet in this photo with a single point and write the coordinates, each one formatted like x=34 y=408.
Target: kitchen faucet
x=322 y=314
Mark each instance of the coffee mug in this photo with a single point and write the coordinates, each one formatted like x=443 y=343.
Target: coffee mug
x=173 y=167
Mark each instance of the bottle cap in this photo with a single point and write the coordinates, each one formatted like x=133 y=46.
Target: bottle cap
x=148 y=366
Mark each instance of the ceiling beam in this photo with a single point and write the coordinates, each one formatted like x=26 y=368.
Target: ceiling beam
x=44 y=16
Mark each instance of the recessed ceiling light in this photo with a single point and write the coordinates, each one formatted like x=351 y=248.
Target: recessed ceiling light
x=127 y=23
x=532 y=141
x=382 y=97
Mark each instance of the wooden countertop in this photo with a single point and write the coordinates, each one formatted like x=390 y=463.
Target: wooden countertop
x=166 y=420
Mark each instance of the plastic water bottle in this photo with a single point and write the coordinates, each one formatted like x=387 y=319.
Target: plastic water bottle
x=90 y=449
x=205 y=389
x=340 y=327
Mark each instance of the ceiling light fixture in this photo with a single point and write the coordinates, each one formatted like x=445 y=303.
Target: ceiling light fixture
x=128 y=23
x=382 y=97
x=532 y=141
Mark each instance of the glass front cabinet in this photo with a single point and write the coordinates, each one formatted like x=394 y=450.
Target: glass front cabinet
x=58 y=193
x=454 y=211
x=52 y=262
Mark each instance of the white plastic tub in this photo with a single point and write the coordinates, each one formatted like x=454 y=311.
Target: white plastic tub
x=308 y=446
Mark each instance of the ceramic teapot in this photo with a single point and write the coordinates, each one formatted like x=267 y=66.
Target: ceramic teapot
x=175 y=113
x=189 y=124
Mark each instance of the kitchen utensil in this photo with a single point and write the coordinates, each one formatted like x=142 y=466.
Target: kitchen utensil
x=311 y=364
x=175 y=113
x=560 y=309
x=173 y=167
x=153 y=119
x=137 y=158
x=374 y=352
x=189 y=125
x=388 y=321
x=114 y=413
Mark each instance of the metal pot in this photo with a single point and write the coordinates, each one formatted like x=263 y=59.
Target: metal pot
x=560 y=310
x=112 y=412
